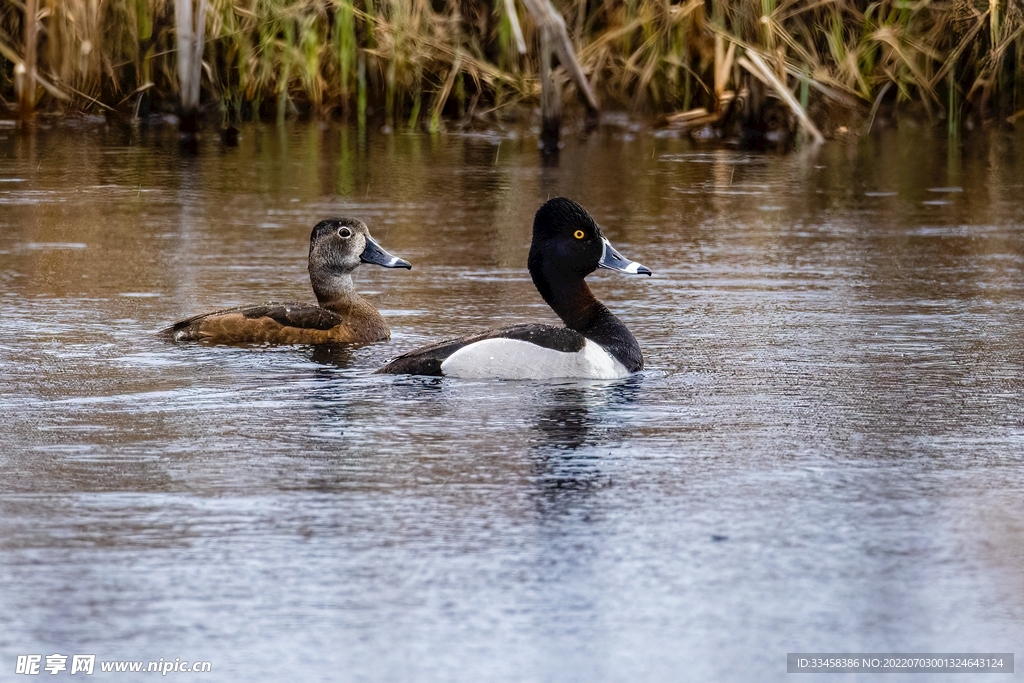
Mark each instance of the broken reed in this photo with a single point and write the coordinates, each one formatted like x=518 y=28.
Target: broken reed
x=415 y=62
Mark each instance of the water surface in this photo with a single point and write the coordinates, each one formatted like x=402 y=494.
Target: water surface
x=823 y=454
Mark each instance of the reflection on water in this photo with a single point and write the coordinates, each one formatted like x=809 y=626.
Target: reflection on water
x=338 y=355
x=822 y=455
x=571 y=421
x=570 y=418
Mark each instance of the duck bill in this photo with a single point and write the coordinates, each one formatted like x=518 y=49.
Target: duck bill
x=375 y=254
x=613 y=260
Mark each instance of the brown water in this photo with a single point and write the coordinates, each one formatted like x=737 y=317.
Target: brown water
x=824 y=453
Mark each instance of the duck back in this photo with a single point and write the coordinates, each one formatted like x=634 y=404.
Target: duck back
x=284 y=323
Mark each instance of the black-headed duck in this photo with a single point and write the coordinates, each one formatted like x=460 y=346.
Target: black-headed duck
x=336 y=248
x=567 y=247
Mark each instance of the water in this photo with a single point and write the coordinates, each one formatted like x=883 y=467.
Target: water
x=824 y=453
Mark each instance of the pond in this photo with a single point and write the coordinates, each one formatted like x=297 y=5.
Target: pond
x=823 y=454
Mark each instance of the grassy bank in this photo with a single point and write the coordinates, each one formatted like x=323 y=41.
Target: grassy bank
x=418 y=63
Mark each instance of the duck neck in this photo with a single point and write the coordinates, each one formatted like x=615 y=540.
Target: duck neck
x=571 y=299
x=334 y=291
x=573 y=302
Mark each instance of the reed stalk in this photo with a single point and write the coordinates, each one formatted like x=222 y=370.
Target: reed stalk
x=144 y=38
x=347 y=48
x=25 y=73
x=190 y=23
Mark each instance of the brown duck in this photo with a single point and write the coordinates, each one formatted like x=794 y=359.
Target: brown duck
x=336 y=248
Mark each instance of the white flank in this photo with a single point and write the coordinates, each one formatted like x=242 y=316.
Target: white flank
x=515 y=359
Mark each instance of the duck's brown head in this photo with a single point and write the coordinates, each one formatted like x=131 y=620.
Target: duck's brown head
x=338 y=245
x=336 y=248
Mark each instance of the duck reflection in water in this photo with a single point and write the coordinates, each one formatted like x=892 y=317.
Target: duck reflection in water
x=574 y=421
x=337 y=355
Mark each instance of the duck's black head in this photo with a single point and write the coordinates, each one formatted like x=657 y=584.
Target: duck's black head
x=338 y=245
x=567 y=243
x=566 y=239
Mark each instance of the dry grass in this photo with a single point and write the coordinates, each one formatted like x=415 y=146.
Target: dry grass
x=417 y=62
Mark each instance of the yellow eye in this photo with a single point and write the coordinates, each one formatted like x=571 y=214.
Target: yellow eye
x=578 y=234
